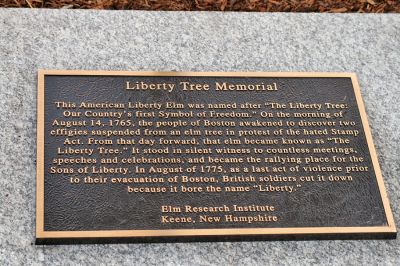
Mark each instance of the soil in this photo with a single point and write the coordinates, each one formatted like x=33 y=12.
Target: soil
x=331 y=6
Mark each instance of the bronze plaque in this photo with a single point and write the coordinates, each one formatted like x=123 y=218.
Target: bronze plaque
x=183 y=156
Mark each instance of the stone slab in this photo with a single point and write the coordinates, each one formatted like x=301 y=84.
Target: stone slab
x=193 y=41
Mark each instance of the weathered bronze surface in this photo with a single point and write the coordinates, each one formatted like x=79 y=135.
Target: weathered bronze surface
x=175 y=156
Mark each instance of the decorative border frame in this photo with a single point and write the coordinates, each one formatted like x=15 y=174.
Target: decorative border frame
x=42 y=234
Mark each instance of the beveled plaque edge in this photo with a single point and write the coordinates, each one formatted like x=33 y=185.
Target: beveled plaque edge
x=41 y=234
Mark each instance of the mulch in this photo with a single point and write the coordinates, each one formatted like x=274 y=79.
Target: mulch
x=331 y=6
